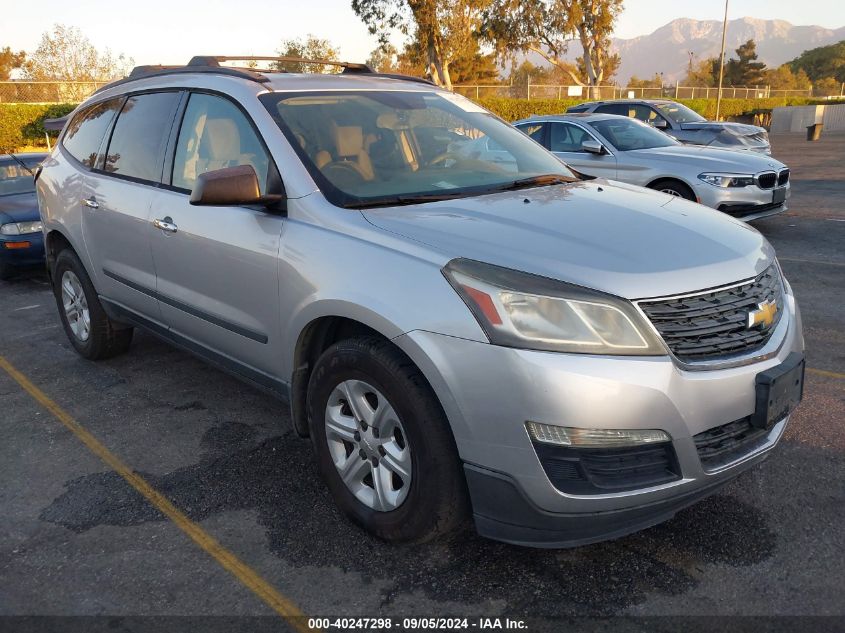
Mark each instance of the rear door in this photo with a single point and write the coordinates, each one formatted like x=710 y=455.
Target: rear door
x=116 y=207
x=565 y=141
x=217 y=267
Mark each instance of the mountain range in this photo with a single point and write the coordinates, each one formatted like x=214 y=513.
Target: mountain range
x=667 y=49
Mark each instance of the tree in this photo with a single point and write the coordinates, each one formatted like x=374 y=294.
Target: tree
x=547 y=27
x=443 y=30
x=745 y=71
x=827 y=87
x=9 y=60
x=654 y=82
x=782 y=78
x=825 y=61
x=67 y=55
x=311 y=47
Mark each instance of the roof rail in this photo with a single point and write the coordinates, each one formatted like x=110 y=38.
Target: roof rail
x=214 y=60
x=211 y=64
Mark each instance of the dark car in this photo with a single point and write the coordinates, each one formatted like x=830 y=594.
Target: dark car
x=686 y=125
x=21 y=241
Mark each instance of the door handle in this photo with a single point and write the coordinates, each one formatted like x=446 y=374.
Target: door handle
x=91 y=202
x=165 y=225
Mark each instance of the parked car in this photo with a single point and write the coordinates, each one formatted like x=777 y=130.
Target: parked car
x=745 y=185
x=567 y=360
x=684 y=124
x=21 y=242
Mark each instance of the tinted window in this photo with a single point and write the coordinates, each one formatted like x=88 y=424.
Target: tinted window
x=15 y=179
x=85 y=132
x=679 y=113
x=534 y=130
x=215 y=134
x=613 y=108
x=137 y=143
x=564 y=137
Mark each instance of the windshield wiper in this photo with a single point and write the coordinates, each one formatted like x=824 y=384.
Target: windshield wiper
x=21 y=163
x=396 y=201
x=543 y=180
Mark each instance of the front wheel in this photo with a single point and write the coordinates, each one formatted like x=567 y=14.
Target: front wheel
x=383 y=443
x=674 y=188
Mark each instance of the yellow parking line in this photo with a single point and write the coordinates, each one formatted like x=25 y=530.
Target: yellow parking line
x=824 y=372
x=240 y=570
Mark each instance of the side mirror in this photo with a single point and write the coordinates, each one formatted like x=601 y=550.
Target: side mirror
x=230 y=187
x=593 y=147
x=660 y=124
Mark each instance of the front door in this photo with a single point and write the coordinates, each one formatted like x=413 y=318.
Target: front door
x=565 y=141
x=217 y=267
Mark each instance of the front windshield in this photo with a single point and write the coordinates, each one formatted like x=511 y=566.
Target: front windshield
x=629 y=134
x=14 y=179
x=679 y=113
x=371 y=148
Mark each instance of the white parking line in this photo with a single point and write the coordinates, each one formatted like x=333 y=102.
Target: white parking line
x=32 y=307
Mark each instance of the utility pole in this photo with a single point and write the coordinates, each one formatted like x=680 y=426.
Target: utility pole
x=722 y=62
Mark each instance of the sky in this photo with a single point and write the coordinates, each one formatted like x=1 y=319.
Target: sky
x=172 y=31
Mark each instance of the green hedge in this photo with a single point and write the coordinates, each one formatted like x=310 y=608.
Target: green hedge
x=22 y=123
x=514 y=109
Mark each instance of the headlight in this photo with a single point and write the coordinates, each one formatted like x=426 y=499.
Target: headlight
x=517 y=309
x=20 y=228
x=727 y=180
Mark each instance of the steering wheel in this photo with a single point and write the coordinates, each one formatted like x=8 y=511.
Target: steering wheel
x=441 y=159
x=343 y=173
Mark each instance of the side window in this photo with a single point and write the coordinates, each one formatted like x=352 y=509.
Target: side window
x=564 y=137
x=85 y=132
x=215 y=134
x=140 y=133
x=614 y=108
x=534 y=130
x=646 y=114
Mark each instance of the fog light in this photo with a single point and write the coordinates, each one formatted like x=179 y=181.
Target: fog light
x=593 y=438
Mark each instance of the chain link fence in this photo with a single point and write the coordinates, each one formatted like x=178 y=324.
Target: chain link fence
x=47 y=91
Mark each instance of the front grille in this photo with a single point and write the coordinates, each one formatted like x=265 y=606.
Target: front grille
x=783 y=177
x=724 y=444
x=714 y=324
x=767 y=180
x=590 y=471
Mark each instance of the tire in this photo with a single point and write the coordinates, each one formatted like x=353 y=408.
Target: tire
x=435 y=499
x=674 y=188
x=104 y=338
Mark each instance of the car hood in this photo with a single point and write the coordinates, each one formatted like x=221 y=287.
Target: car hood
x=740 y=129
x=20 y=207
x=621 y=239
x=708 y=158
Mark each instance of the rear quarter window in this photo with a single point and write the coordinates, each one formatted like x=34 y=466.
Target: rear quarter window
x=85 y=131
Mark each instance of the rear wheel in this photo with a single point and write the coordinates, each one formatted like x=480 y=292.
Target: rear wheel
x=674 y=188
x=383 y=443
x=86 y=323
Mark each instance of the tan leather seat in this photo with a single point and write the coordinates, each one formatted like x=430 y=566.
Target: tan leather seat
x=349 y=140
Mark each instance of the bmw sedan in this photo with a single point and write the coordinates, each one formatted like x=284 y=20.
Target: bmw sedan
x=744 y=185
x=21 y=242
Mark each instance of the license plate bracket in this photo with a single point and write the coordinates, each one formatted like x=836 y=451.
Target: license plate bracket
x=778 y=391
x=779 y=196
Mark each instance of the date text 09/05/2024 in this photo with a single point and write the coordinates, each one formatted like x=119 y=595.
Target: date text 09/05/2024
x=430 y=624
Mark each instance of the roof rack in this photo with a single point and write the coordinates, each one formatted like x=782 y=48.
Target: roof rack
x=211 y=64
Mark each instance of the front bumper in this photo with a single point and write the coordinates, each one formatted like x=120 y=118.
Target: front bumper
x=32 y=255
x=742 y=203
x=489 y=392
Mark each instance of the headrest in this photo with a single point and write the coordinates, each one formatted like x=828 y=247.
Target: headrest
x=349 y=140
x=221 y=139
x=390 y=121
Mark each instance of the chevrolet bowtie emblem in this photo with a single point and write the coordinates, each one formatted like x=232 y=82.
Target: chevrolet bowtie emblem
x=763 y=316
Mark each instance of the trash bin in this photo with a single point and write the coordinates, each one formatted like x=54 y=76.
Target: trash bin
x=814 y=132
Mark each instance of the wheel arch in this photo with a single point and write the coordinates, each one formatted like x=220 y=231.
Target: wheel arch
x=671 y=178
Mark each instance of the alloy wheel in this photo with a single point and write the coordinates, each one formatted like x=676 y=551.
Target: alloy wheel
x=76 y=306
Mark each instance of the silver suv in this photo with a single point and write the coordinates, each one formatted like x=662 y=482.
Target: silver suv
x=566 y=361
